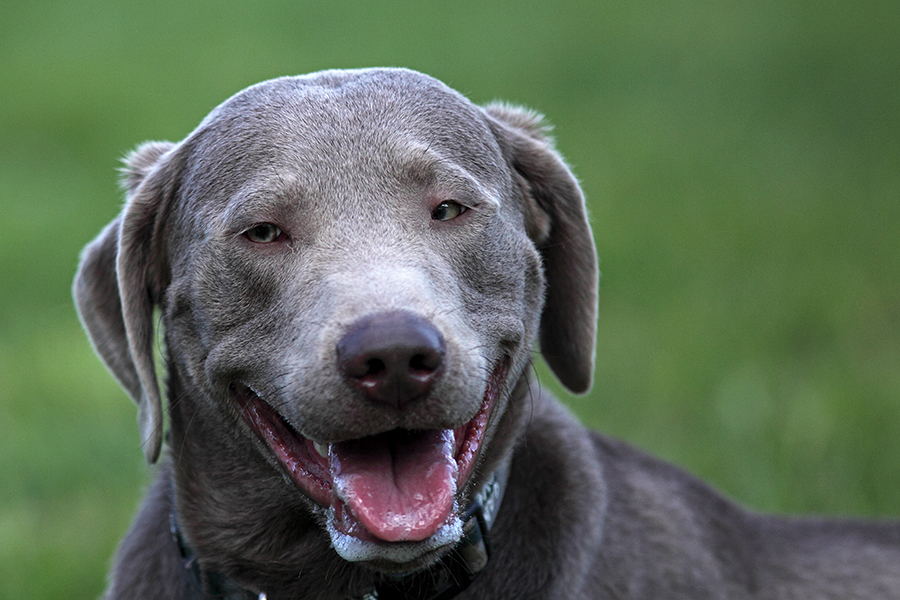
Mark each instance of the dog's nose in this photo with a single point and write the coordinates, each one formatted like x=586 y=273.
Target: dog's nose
x=393 y=357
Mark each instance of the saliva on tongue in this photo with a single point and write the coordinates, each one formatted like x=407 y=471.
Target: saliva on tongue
x=400 y=485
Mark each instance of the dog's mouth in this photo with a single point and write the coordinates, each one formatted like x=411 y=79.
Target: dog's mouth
x=397 y=486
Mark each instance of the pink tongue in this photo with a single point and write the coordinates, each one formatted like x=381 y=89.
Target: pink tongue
x=400 y=484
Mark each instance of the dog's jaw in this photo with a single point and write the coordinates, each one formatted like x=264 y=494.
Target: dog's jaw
x=369 y=517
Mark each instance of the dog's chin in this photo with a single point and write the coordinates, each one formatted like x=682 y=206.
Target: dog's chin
x=395 y=557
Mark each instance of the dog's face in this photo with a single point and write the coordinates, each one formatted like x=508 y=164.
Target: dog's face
x=351 y=272
x=361 y=219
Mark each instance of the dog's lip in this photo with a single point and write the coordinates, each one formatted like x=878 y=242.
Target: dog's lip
x=310 y=471
x=296 y=454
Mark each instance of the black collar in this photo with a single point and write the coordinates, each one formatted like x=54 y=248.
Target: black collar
x=449 y=577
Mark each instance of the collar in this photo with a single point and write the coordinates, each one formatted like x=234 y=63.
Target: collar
x=449 y=577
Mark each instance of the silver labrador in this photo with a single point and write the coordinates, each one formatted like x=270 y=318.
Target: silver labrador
x=352 y=269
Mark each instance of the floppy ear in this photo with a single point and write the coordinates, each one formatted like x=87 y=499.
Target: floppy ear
x=556 y=220
x=121 y=277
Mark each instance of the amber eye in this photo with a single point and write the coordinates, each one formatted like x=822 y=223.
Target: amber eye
x=264 y=233
x=448 y=210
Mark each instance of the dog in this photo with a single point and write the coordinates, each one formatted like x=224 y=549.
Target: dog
x=351 y=270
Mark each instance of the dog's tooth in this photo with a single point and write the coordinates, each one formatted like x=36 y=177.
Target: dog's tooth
x=322 y=449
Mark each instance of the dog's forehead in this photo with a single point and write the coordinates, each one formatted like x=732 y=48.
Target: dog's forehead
x=349 y=126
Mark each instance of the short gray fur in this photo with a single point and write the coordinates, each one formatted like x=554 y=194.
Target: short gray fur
x=347 y=163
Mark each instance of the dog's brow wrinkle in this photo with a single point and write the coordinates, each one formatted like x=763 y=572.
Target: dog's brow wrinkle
x=276 y=172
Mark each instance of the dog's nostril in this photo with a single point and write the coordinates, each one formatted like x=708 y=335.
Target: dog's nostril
x=375 y=366
x=393 y=357
x=425 y=362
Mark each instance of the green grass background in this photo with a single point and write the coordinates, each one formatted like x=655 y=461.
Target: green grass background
x=742 y=164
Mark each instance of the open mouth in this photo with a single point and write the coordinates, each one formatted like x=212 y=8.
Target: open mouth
x=397 y=486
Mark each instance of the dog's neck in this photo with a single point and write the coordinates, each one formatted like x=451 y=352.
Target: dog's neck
x=449 y=577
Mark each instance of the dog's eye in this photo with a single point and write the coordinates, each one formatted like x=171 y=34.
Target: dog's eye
x=448 y=210
x=264 y=233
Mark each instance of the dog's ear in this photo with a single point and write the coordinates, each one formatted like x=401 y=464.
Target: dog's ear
x=556 y=220
x=120 y=278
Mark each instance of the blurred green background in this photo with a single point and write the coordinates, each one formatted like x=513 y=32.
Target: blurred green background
x=742 y=164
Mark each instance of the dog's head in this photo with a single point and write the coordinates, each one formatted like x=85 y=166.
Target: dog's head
x=352 y=269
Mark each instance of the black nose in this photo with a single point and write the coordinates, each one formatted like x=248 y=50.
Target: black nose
x=393 y=357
